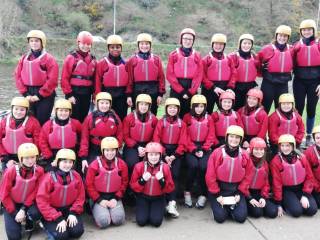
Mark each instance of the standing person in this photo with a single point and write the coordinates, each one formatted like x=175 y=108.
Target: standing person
x=228 y=177
x=184 y=70
x=112 y=75
x=61 y=197
x=151 y=180
x=292 y=180
x=78 y=76
x=246 y=64
x=306 y=82
x=18 y=190
x=17 y=128
x=277 y=64
x=36 y=76
x=106 y=183
x=218 y=71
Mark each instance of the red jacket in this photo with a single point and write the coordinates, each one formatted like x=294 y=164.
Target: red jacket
x=211 y=139
x=276 y=169
x=52 y=70
x=266 y=187
x=314 y=161
x=215 y=117
x=46 y=187
x=93 y=171
x=235 y=60
x=138 y=172
x=8 y=181
x=175 y=85
x=46 y=151
x=215 y=160
x=298 y=45
x=32 y=128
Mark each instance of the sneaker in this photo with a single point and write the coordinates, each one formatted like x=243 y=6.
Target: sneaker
x=29 y=225
x=187 y=199
x=201 y=203
x=309 y=140
x=172 y=209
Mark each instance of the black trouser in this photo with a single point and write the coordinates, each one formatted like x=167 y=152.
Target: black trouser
x=271 y=93
x=184 y=103
x=241 y=91
x=150 y=210
x=270 y=210
x=81 y=108
x=131 y=157
x=316 y=196
x=119 y=100
x=211 y=96
x=42 y=109
x=94 y=151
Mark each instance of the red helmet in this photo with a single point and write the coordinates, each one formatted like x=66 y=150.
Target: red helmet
x=254 y=92
x=154 y=147
x=257 y=143
x=227 y=95
x=85 y=38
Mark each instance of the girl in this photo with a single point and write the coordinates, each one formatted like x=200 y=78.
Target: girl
x=228 y=177
x=106 y=183
x=103 y=122
x=60 y=198
x=292 y=180
x=78 y=76
x=112 y=75
x=277 y=64
x=36 y=76
x=151 y=180
x=18 y=192
x=184 y=70
x=201 y=139
x=17 y=128
x=171 y=133
x=145 y=74
x=218 y=71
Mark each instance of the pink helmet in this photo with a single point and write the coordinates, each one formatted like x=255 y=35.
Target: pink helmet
x=154 y=147
x=257 y=143
x=227 y=95
x=254 y=92
x=85 y=38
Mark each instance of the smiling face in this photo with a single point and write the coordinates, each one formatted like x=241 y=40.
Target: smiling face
x=233 y=140
x=282 y=38
x=246 y=45
x=35 y=43
x=286 y=148
x=143 y=107
x=84 y=47
x=63 y=113
x=29 y=161
x=19 y=112
x=104 y=105
x=187 y=40
x=226 y=104
x=144 y=46
x=258 y=152
x=286 y=106
x=115 y=50
x=252 y=101
x=199 y=108
x=153 y=157
x=307 y=32
x=66 y=165
x=172 y=110
x=218 y=47
x=110 y=153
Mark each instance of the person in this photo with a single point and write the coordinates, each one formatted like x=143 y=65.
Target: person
x=36 y=76
x=61 y=197
x=106 y=183
x=276 y=64
x=16 y=128
x=292 y=180
x=219 y=72
x=78 y=76
x=200 y=141
x=184 y=70
x=18 y=192
x=306 y=55
x=145 y=74
x=259 y=202
x=151 y=180
x=171 y=132
x=228 y=176
x=112 y=75
x=60 y=132
x=102 y=122
x=246 y=64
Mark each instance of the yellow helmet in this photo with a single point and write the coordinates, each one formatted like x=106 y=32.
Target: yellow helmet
x=245 y=36
x=103 y=96
x=144 y=37
x=62 y=103
x=286 y=98
x=219 y=38
x=287 y=138
x=114 y=39
x=309 y=23
x=20 y=101
x=143 y=98
x=65 y=153
x=198 y=98
x=316 y=129
x=38 y=34
x=27 y=150
x=172 y=101
x=109 y=142
x=283 y=29
x=235 y=130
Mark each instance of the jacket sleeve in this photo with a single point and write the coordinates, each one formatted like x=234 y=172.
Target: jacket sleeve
x=175 y=85
x=197 y=79
x=124 y=179
x=182 y=140
x=233 y=77
x=206 y=61
x=273 y=124
x=77 y=206
x=5 y=189
x=52 y=71
x=276 y=169
x=169 y=184
x=161 y=78
x=66 y=75
x=211 y=176
x=35 y=129
x=262 y=117
x=127 y=124
x=17 y=75
x=266 y=188
x=89 y=182
x=32 y=197
x=308 y=183
x=136 y=175
x=245 y=183
x=211 y=139
x=301 y=129
x=85 y=135
x=3 y=152
x=130 y=68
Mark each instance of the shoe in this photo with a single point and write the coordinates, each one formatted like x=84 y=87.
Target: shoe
x=187 y=199
x=201 y=203
x=172 y=209
x=309 y=140
x=29 y=227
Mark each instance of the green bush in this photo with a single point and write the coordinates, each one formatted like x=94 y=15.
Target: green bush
x=77 y=22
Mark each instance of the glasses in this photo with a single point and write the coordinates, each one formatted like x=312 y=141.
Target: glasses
x=187 y=39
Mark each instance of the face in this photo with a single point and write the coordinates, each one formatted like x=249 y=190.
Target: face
x=35 y=44
x=258 y=152
x=65 y=165
x=282 y=38
x=104 y=105
x=252 y=101
x=172 y=110
x=19 y=112
x=286 y=107
x=187 y=40
x=153 y=158
x=286 y=148
x=246 y=45
x=29 y=161
x=234 y=140
x=226 y=104
x=307 y=32
x=317 y=139
x=143 y=107
x=218 y=47
x=63 y=113
x=199 y=109
x=144 y=46
x=115 y=50
x=110 y=153
x=84 y=47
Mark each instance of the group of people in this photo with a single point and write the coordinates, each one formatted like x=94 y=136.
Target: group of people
x=53 y=166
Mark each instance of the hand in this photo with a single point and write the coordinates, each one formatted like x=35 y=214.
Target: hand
x=28 y=98
x=231 y=91
x=304 y=202
x=72 y=100
x=84 y=165
x=10 y=163
x=159 y=99
x=104 y=203
x=262 y=202
x=62 y=226
x=72 y=220
x=54 y=163
x=237 y=198
x=280 y=211
x=168 y=160
x=141 y=151
x=159 y=175
x=245 y=144
x=129 y=101
x=21 y=216
x=112 y=203
x=34 y=98
x=218 y=91
x=146 y=176
x=185 y=96
x=254 y=203
x=220 y=200
x=199 y=154
x=318 y=90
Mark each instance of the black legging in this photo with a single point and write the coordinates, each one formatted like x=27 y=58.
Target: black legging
x=42 y=109
x=211 y=96
x=131 y=157
x=270 y=210
x=241 y=91
x=81 y=108
x=316 y=196
x=119 y=105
